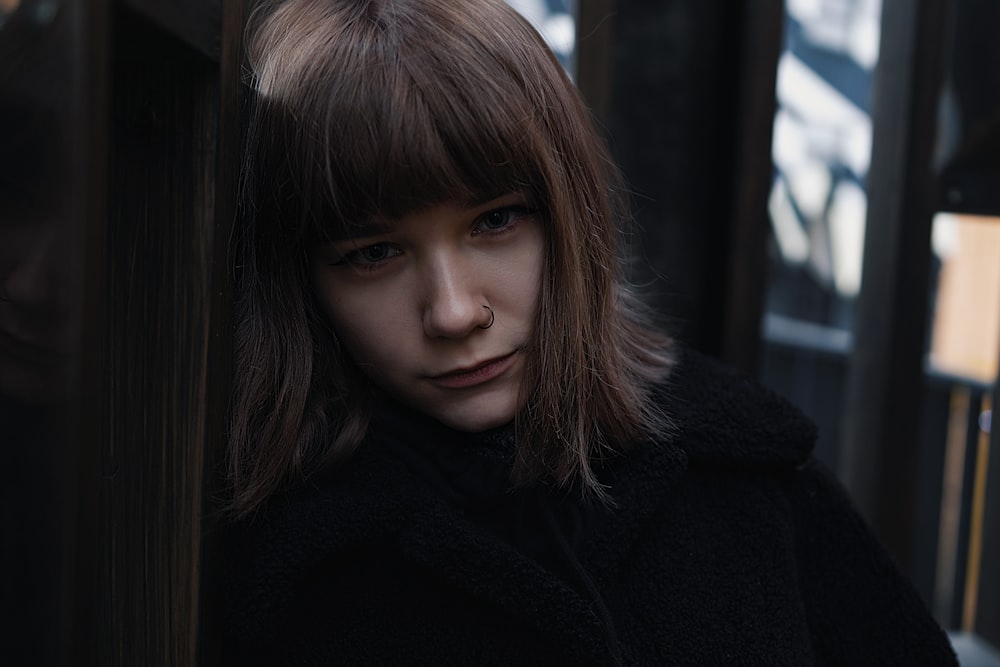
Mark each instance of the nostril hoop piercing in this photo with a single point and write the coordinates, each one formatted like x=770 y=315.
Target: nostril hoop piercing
x=492 y=317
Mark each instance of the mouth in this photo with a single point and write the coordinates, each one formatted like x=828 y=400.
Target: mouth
x=481 y=373
x=28 y=352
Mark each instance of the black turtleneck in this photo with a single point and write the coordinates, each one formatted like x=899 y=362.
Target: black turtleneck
x=472 y=472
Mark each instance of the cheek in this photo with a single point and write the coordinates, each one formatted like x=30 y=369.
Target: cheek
x=525 y=277
x=367 y=343
x=367 y=326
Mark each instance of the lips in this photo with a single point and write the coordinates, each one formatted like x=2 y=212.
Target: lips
x=476 y=375
x=29 y=352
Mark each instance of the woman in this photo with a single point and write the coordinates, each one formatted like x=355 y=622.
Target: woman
x=455 y=437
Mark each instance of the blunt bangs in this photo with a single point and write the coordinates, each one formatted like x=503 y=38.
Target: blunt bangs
x=370 y=110
x=395 y=125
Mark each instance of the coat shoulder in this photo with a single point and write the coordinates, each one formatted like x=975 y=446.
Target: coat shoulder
x=724 y=417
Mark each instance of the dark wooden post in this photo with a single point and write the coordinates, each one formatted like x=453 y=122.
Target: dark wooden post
x=988 y=608
x=685 y=90
x=172 y=163
x=90 y=163
x=121 y=125
x=879 y=449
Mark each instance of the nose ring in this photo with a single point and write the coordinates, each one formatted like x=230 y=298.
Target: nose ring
x=492 y=317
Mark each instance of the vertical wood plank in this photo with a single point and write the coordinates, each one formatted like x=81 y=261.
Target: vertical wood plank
x=93 y=45
x=230 y=139
x=757 y=64
x=988 y=610
x=685 y=90
x=158 y=290
x=879 y=452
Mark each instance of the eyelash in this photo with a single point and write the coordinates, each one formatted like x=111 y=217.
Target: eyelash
x=514 y=213
x=355 y=258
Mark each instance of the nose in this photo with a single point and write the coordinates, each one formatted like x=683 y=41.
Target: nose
x=453 y=303
x=33 y=282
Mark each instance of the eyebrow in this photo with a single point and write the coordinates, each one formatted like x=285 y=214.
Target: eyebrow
x=378 y=226
x=480 y=200
x=361 y=231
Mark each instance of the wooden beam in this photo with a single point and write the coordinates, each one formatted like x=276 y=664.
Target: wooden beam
x=879 y=450
x=194 y=22
x=685 y=92
x=757 y=64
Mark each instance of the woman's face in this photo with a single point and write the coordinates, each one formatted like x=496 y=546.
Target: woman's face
x=408 y=302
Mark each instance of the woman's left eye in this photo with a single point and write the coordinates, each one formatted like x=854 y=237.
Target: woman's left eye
x=368 y=257
x=500 y=219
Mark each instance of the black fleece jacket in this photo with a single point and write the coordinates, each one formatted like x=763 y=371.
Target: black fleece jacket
x=727 y=545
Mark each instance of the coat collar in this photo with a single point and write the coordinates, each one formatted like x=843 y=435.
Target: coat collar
x=377 y=501
x=721 y=419
x=727 y=418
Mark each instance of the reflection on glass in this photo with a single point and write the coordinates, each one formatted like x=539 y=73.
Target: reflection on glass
x=38 y=284
x=7 y=7
x=34 y=289
x=33 y=312
x=34 y=271
x=34 y=12
x=822 y=150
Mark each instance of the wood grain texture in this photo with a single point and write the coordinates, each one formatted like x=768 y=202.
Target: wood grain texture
x=685 y=90
x=880 y=439
x=163 y=146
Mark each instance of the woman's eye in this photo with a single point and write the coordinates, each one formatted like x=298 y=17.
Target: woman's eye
x=499 y=218
x=371 y=254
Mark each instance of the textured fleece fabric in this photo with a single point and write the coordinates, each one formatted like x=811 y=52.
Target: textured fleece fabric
x=727 y=545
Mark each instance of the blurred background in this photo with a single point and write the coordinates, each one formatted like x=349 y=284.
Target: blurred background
x=815 y=184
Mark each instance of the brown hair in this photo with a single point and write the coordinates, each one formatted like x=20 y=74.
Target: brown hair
x=373 y=109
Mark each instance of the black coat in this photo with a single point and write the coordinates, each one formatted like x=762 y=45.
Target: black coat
x=727 y=545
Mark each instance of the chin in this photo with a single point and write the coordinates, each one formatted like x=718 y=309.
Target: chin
x=483 y=414
x=475 y=424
